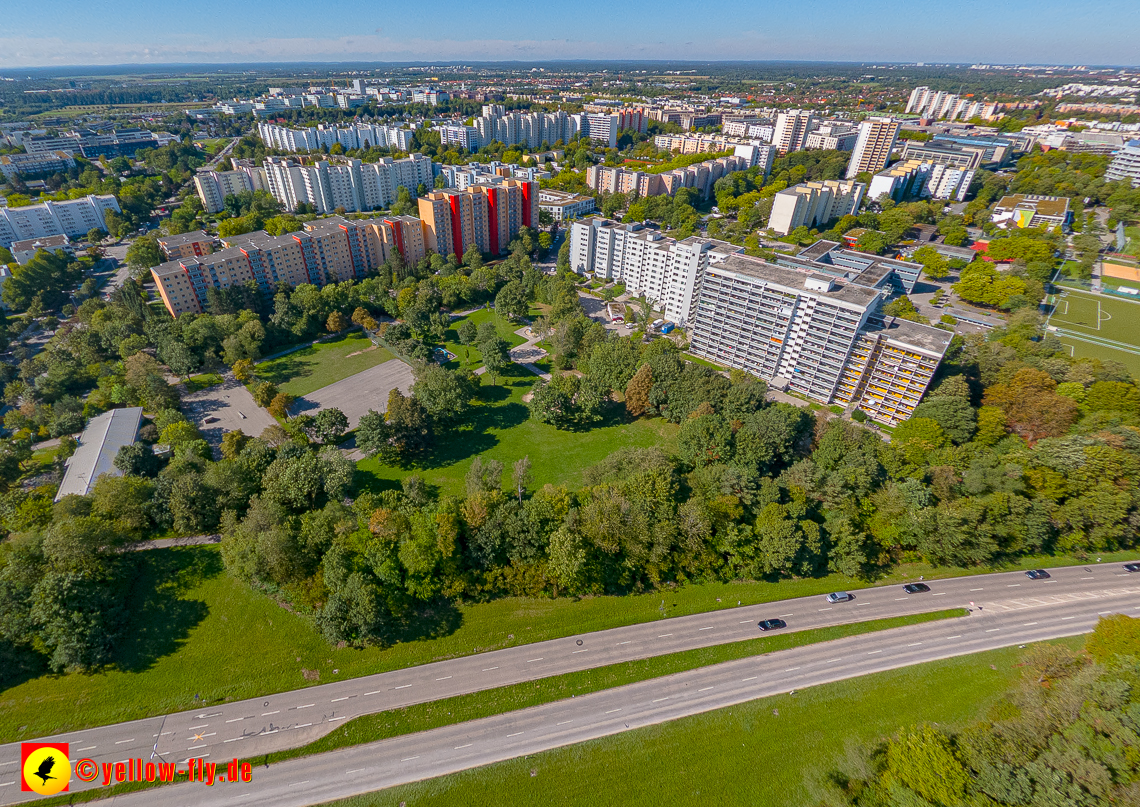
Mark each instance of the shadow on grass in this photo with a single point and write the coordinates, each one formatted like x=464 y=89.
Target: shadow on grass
x=431 y=621
x=160 y=620
x=19 y=664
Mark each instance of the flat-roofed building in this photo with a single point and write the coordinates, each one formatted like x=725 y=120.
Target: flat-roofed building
x=811 y=204
x=98 y=446
x=1030 y=210
x=74 y=217
x=24 y=251
x=564 y=206
x=193 y=244
x=876 y=141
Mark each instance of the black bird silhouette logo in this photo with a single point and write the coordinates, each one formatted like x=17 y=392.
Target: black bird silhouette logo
x=45 y=768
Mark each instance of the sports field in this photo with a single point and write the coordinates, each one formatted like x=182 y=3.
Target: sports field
x=1098 y=325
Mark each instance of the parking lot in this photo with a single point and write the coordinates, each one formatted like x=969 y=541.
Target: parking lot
x=225 y=408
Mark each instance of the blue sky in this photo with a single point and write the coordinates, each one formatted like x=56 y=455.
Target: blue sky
x=70 y=32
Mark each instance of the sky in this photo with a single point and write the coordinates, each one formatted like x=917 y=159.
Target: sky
x=90 y=32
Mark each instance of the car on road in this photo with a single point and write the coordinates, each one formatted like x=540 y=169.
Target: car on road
x=1132 y=567
x=772 y=624
x=1037 y=574
x=916 y=588
x=839 y=596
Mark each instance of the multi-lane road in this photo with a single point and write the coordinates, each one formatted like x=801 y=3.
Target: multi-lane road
x=1008 y=609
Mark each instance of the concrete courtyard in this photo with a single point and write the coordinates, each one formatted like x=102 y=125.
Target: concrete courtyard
x=358 y=393
x=227 y=407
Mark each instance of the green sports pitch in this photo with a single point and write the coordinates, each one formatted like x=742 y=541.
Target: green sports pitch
x=1098 y=326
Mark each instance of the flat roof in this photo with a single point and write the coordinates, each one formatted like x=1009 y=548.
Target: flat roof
x=183 y=238
x=817 y=250
x=98 y=446
x=791 y=279
x=46 y=242
x=1042 y=205
x=911 y=334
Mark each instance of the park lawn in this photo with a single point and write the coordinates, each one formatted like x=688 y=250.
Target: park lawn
x=202 y=381
x=197 y=631
x=783 y=749
x=467 y=356
x=318 y=365
x=502 y=429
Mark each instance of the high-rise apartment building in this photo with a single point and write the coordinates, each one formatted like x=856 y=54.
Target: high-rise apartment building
x=325 y=136
x=921 y=179
x=872 y=152
x=811 y=204
x=700 y=177
x=818 y=335
x=71 y=218
x=186 y=245
x=928 y=103
x=356 y=186
x=214 y=186
x=487 y=214
x=1125 y=166
x=792 y=129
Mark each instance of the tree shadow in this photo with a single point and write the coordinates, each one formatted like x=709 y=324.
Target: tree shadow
x=160 y=619
x=432 y=620
x=20 y=664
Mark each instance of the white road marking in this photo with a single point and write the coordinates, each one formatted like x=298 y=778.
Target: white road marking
x=334 y=700
x=873 y=652
x=825 y=609
x=403 y=686
x=992 y=630
x=533 y=660
x=297 y=784
x=198 y=727
x=564 y=722
x=88 y=748
x=959 y=636
x=753 y=678
x=331 y=719
x=303 y=725
x=120 y=742
x=901 y=598
x=196 y=747
x=265 y=714
x=938 y=594
x=706 y=689
x=976 y=589
x=628 y=642
x=861 y=604
x=5 y=784
x=490 y=668
x=463 y=746
x=307 y=705
x=663 y=635
x=516 y=734
x=1102 y=613
x=356 y=770
x=832 y=660
x=708 y=628
x=586 y=650
x=235 y=739
x=745 y=622
x=409 y=759
x=1088 y=578
x=235 y=719
x=787 y=614
x=611 y=711
x=1068 y=617
x=446 y=677
x=916 y=644
x=791 y=669
x=373 y=692
x=661 y=699
x=1028 y=624
x=1014 y=585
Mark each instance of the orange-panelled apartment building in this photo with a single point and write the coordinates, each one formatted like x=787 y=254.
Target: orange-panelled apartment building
x=335 y=249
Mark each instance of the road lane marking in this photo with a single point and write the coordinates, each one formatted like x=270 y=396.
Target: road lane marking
x=88 y=748
x=663 y=635
x=307 y=705
x=5 y=784
x=753 y=678
x=198 y=727
x=861 y=604
x=334 y=700
x=745 y=622
x=533 y=660
x=445 y=678
x=298 y=784
x=403 y=686
x=1014 y=585
x=1068 y=617
x=959 y=636
x=1028 y=624
x=916 y=644
x=611 y=711
x=235 y=719
x=901 y=598
x=791 y=669
x=631 y=640
x=490 y=668
x=661 y=699
x=196 y=747
x=265 y=714
x=787 y=614
x=1088 y=578
x=832 y=660
x=356 y=770
x=120 y=742
x=585 y=650
x=366 y=694
x=825 y=609
x=303 y=725
x=235 y=739
x=976 y=589
x=409 y=759
x=706 y=689
x=331 y=719
x=939 y=594
x=1102 y=613
x=873 y=652
x=564 y=722
x=516 y=734
x=463 y=746
x=708 y=628
x=991 y=630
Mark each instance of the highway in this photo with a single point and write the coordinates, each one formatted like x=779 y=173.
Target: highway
x=1068 y=603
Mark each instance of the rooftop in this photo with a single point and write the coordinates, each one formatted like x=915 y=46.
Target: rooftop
x=1041 y=205
x=98 y=446
x=849 y=293
x=46 y=242
x=168 y=241
x=911 y=334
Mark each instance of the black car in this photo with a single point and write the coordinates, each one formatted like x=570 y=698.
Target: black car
x=916 y=588
x=1037 y=574
x=1132 y=567
x=772 y=624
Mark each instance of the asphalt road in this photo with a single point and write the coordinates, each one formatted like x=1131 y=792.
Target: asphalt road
x=256 y=726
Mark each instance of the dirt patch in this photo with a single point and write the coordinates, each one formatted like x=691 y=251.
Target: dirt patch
x=366 y=350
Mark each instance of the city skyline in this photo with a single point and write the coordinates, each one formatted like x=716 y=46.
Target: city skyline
x=139 y=33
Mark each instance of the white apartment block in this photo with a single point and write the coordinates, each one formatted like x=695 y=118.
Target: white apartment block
x=817 y=335
x=758 y=129
x=214 y=186
x=356 y=186
x=927 y=103
x=71 y=218
x=665 y=270
x=921 y=179
x=792 y=129
x=1125 y=166
x=700 y=176
x=356 y=136
x=564 y=206
x=811 y=204
x=833 y=137
x=872 y=152
x=39 y=163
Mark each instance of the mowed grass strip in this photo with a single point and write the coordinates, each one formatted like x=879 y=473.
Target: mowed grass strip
x=1098 y=315
x=198 y=636
x=486 y=703
x=310 y=368
x=782 y=750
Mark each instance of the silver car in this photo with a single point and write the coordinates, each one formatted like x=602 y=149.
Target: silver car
x=839 y=596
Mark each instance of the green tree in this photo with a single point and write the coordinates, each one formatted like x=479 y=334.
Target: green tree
x=143 y=254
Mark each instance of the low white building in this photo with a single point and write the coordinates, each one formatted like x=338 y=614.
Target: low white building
x=24 y=251
x=98 y=446
x=564 y=206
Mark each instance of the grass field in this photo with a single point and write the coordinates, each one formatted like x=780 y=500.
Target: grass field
x=501 y=429
x=783 y=750
x=202 y=381
x=1098 y=326
x=319 y=365
x=197 y=631
x=469 y=356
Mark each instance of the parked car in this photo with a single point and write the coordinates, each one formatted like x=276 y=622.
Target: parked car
x=916 y=588
x=839 y=596
x=1037 y=574
x=772 y=624
x=1132 y=567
